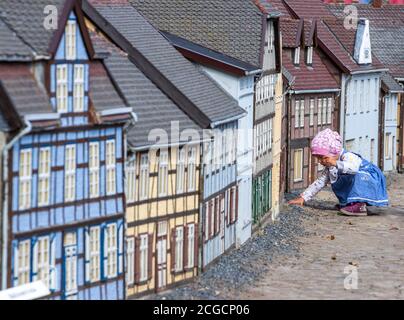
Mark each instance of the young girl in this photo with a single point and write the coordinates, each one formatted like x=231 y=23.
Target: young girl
x=355 y=181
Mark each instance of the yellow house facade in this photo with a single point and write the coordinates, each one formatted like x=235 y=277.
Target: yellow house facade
x=163 y=191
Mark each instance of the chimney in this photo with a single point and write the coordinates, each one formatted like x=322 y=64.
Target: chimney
x=363 y=51
x=377 y=3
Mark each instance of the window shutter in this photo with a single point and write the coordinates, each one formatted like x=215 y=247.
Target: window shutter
x=52 y=262
x=137 y=260
x=185 y=247
x=228 y=211
x=120 y=248
x=210 y=219
x=172 y=248
x=231 y=207
x=150 y=257
x=196 y=244
x=236 y=205
x=87 y=254
x=205 y=212
x=215 y=217
x=105 y=251
x=34 y=267
x=16 y=266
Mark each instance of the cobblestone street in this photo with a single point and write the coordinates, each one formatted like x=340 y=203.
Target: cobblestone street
x=304 y=255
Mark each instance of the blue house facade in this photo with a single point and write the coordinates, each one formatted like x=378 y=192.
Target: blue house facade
x=66 y=201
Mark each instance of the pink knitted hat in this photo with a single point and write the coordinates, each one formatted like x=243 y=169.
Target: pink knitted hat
x=326 y=143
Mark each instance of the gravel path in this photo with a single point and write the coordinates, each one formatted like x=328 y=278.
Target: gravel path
x=304 y=256
x=244 y=266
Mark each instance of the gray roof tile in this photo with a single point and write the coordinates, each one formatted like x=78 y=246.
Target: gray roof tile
x=152 y=107
x=11 y=47
x=386 y=33
x=231 y=27
x=26 y=19
x=194 y=84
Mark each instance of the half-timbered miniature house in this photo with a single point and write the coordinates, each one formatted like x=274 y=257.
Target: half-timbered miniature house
x=164 y=180
x=311 y=99
x=64 y=162
x=386 y=30
x=234 y=65
x=390 y=92
x=267 y=120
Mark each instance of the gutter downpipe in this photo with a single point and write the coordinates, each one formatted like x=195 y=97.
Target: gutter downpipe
x=347 y=80
x=6 y=149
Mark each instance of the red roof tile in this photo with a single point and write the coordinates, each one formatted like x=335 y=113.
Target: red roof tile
x=315 y=77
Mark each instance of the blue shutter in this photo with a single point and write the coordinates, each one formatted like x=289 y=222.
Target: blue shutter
x=120 y=238
x=52 y=262
x=34 y=258
x=87 y=254
x=15 y=263
x=104 y=252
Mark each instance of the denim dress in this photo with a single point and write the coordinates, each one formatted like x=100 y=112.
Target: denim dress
x=368 y=186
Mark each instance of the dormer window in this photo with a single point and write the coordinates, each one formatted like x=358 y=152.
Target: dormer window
x=71 y=30
x=309 y=60
x=297 y=56
x=271 y=37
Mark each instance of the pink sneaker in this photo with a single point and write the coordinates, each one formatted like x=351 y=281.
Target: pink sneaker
x=355 y=209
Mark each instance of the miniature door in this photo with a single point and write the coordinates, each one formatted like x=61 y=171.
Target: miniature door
x=70 y=265
x=161 y=248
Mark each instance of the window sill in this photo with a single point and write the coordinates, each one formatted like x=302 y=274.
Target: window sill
x=299 y=180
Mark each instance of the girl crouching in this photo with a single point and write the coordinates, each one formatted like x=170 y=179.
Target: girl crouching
x=356 y=182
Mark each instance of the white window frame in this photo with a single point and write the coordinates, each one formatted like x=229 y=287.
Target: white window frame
x=44 y=173
x=191 y=168
x=271 y=37
x=78 y=90
x=131 y=181
x=388 y=145
x=62 y=91
x=94 y=169
x=310 y=55
x=296 y=177
x=312 y=106
x=362 y=96
x=270 y=133
x=71 y=289
x=144 y=177
x=70 y=173
x=94 y=243
x=324 y=120
x=110 y=164
x=23 y=262
x=71 y=39
x=181 y=154
x=162 y=178
x=144 y=256
x=130 y=260
x=297 y=113
x=25 y=179
x=42 y=259
x=319 y=111
x=302 y=111
x=191 y=245
x=179 y=248
x=329 y=110
x=112 y=250
x=297 y=56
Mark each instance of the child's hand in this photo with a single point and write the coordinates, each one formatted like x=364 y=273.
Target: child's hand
x=298 y=201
